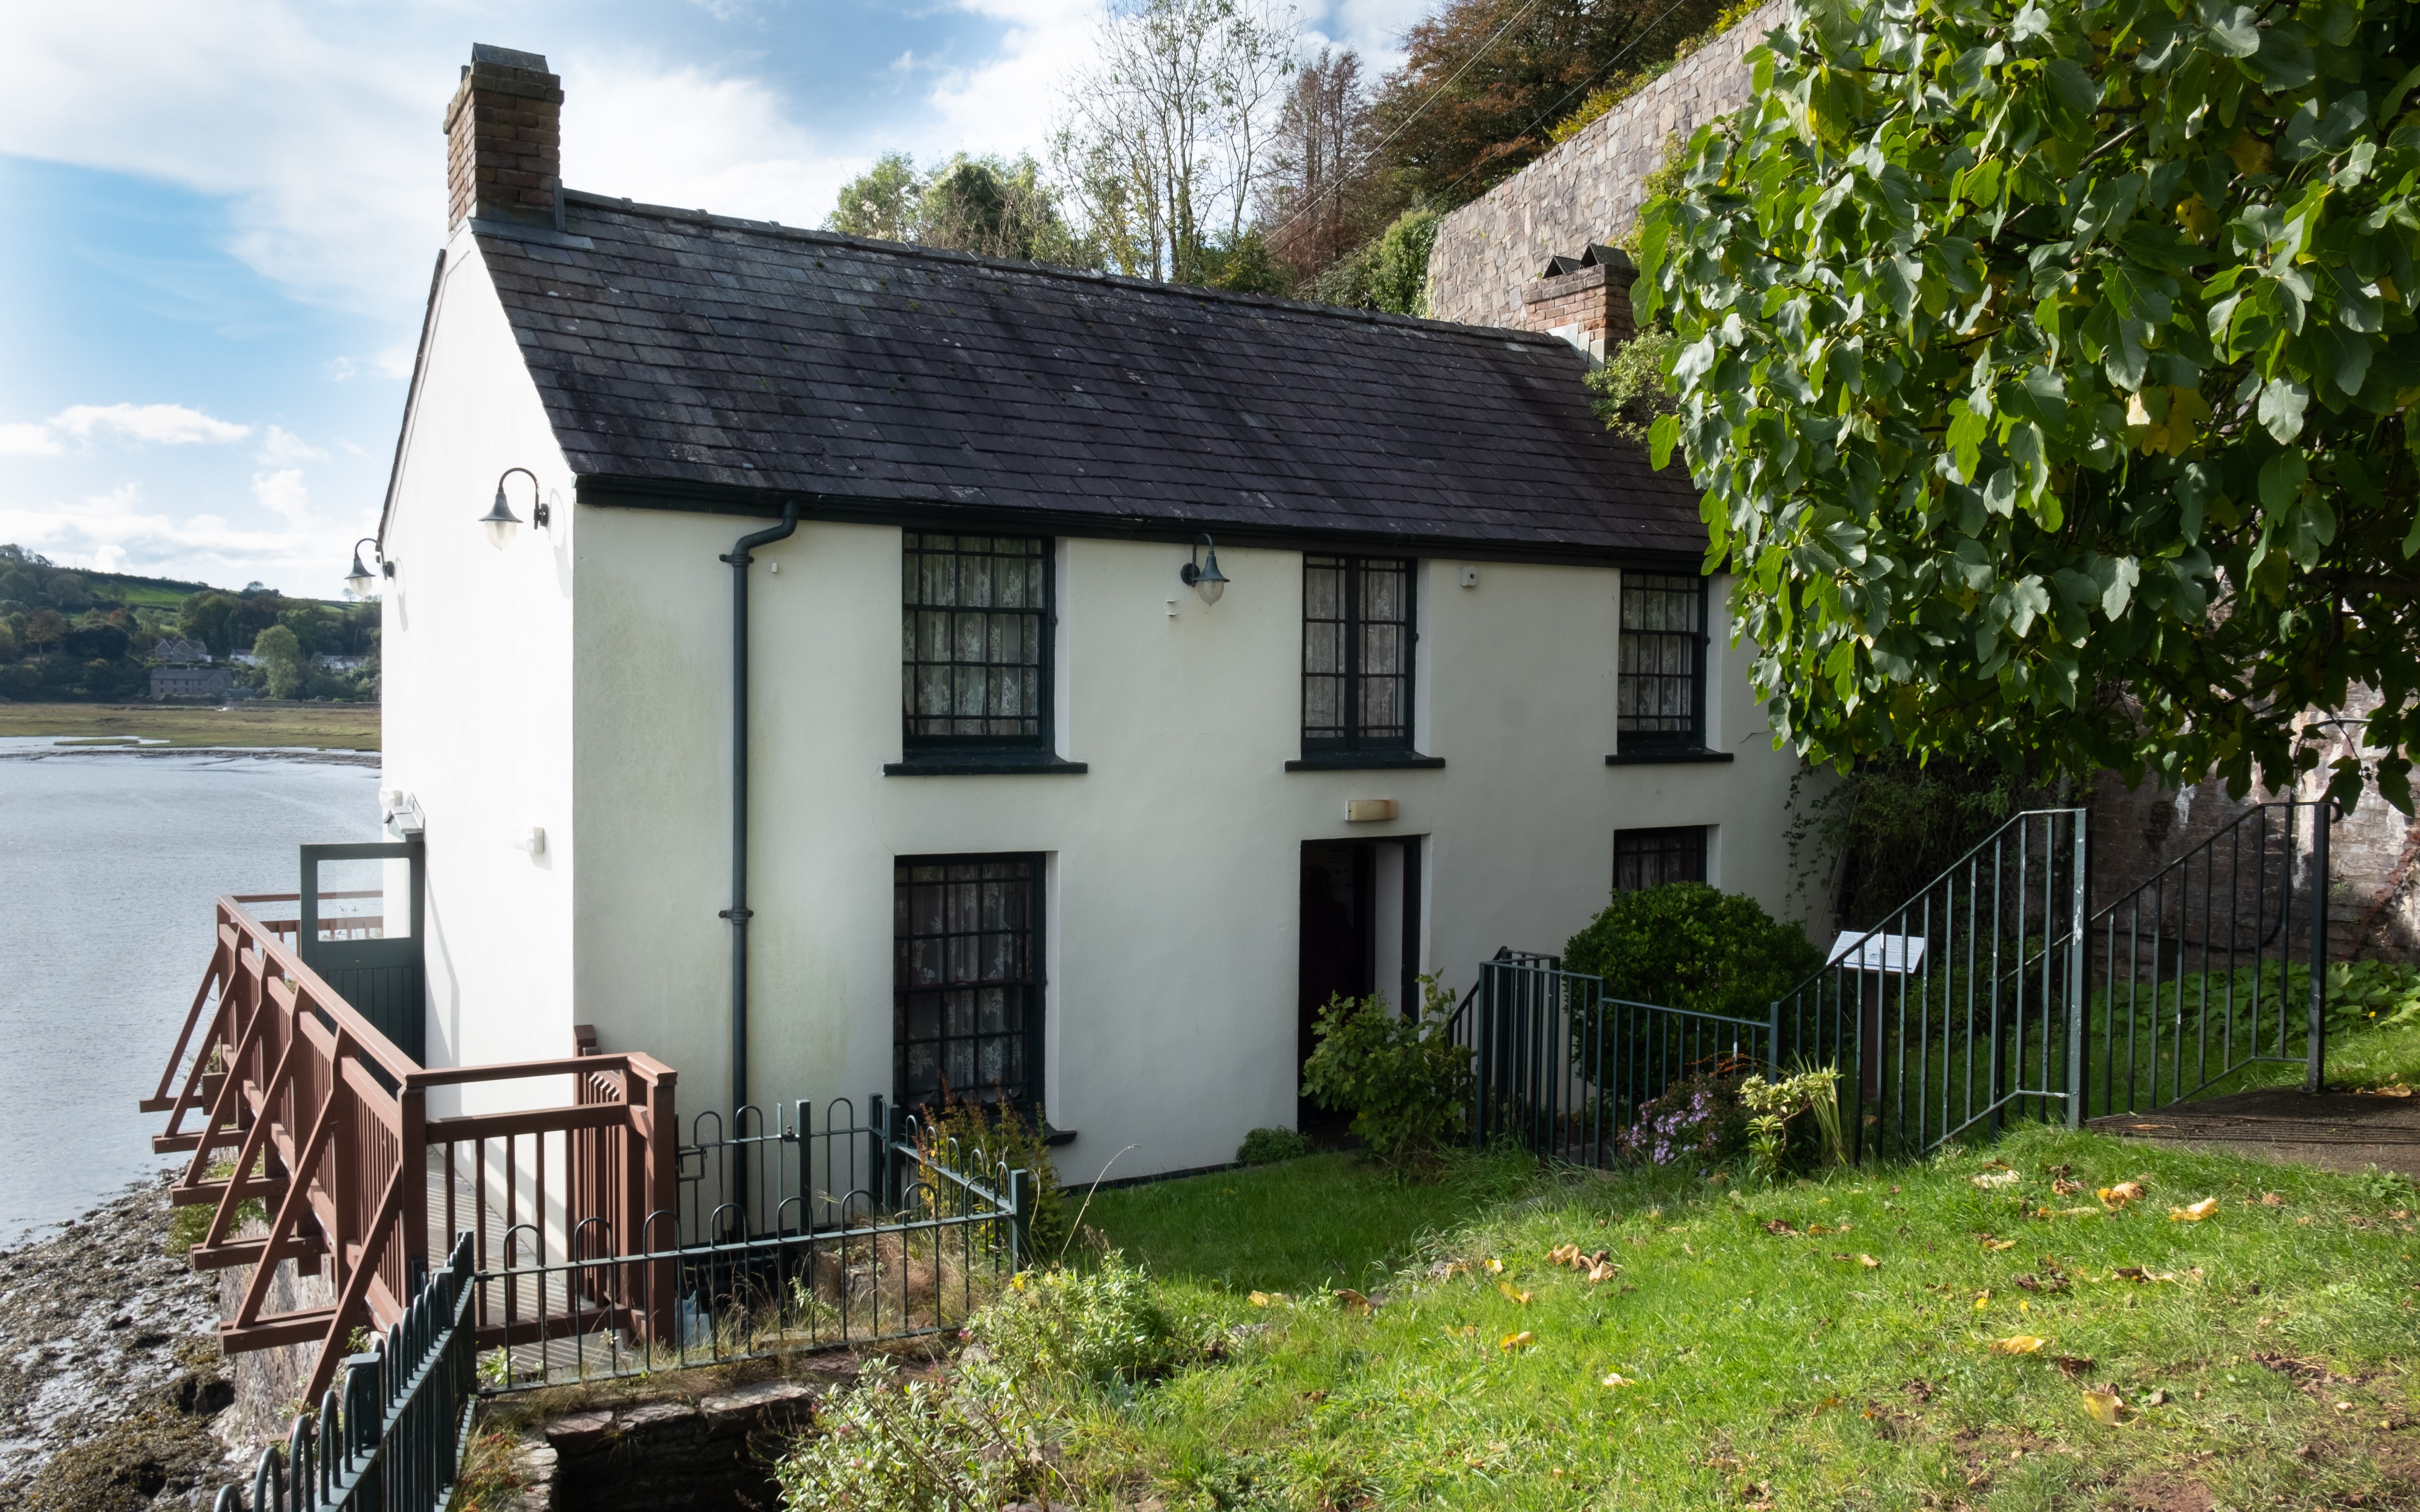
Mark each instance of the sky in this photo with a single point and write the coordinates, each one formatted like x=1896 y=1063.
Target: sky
x=220 y=218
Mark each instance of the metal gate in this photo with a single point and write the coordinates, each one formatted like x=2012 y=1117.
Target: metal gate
x=372 y=963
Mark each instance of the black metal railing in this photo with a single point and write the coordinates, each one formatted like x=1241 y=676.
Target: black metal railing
x=390 y=1438
x=1564 y=1069
x=2216 y=963
x=1961 y=1008
x=791 y=1233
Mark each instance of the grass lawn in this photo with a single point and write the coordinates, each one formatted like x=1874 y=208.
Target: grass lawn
x=326 y=726
x=1819 y=1345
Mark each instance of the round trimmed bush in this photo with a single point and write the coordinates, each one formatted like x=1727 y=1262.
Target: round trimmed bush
x=1686 y=944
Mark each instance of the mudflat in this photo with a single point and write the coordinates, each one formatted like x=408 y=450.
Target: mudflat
x=253 y=722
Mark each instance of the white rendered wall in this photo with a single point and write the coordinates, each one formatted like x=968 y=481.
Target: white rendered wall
x=475 y=656
x=1172 y=901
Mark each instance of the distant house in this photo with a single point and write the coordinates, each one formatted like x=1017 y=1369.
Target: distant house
x=191 y=682
x=173 y=650
x=335 y=663
x=1033 y=810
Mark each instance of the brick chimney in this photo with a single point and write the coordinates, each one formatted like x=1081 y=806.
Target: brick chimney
x=1585 y=300
x=504 y=140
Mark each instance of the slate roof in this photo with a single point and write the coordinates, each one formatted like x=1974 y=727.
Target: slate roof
x=680 y=353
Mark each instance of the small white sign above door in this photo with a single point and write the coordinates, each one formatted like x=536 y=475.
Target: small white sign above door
x=1894 y=955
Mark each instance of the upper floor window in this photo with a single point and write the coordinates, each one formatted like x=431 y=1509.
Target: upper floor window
x=975 y=611
x=1357 y=653
x=1660 y=695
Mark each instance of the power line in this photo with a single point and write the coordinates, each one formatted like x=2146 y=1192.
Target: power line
x=1347 y=174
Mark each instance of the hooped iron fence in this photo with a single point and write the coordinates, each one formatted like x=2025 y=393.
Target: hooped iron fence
x=791 y=1233
x=1996 y=993
x=391 y=1440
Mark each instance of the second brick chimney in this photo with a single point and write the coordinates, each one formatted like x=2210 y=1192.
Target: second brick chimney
x=504 y=140
x=1585 y=300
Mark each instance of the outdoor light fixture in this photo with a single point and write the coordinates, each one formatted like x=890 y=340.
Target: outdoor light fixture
x=500 y=520
x=359 y=582
x=1205 y=578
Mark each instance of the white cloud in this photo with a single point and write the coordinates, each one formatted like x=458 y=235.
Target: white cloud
x=281 y=446
x=116 y=532
x=165 y=425
x=690 y=137
x=28 y=441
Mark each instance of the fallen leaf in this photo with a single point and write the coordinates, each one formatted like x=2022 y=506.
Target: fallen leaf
x=2194 y=1213
x=2018 y=1344
x=1982 y=1300
x=1603 y=1271
x=1269 y=1299
x=2273 y=1199
x=2063 y=1187
x=2159 y=1397
x=1509 y=1290
x=1452 y=1269
x=2120 y=1195
x=1563 y=1254
x=1813 y=1230
x=1868 y=1261
x=1518 y=1341
x=1614 y=1378
x=2101 y=1404
x=1353 y=1301
x=1495 y=1267
x=2075 y=1365
x=1999 y=1243
x=1778 y=1225
x=1993 y=1179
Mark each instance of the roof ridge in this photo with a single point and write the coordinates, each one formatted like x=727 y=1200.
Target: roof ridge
x=1052 y=271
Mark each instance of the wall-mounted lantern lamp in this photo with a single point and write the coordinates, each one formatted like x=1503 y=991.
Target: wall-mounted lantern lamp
x=359 y=581
x=1204 y=578
x=500 y=520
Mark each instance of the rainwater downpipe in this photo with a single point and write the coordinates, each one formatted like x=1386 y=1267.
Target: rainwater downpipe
x=737 y=913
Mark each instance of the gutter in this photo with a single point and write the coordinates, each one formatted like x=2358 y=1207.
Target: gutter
x=737 y=913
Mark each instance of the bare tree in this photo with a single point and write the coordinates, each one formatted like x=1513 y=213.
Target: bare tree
x=1314 y=196
x=1165 y=136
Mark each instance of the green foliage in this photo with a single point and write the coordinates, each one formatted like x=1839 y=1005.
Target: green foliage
x=1406 y=1083
x=2046 y=370
x=1105 y=1326
x=1399 y=265
x=1267 y=1146
x=1886 y=828
x=1663 y=179
x=1630 y=387
x=1686 y=944
x=963 y=1443
x=983 y=1141
x=1775 y=1149
x=1244 y=266
x=990 y=205
x=2365 y=995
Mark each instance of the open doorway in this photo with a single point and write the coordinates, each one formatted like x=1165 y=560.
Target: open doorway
x=1360 y=935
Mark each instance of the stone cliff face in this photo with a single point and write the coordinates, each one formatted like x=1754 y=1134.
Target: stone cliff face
x=1587 y=190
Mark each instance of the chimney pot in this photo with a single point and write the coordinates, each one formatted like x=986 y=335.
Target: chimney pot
x=503 y=147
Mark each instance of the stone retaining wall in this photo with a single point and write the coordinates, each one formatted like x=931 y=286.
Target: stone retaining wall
x=1586 y=189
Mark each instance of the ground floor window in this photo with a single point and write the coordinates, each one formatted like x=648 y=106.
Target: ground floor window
x=1650 y=857
x=966 y=978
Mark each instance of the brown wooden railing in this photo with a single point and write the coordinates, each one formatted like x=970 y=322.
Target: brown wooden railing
x=309 y=1109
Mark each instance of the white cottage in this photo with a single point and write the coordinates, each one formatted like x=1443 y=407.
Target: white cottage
x=854 y=707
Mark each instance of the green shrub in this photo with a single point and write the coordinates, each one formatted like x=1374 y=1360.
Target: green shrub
x=1630 y=387
x=965 y=1444
x=1406 y=1083
x=1104 y=1326
x=1267 y=1146
x=1686 y=944
x=980 y=1140
x=1697 y=1121
x=1778 y=1142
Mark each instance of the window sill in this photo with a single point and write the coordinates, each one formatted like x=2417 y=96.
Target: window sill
x=1366 y=761
x=984 y=764
x=1057 y=1138
x=1669 y=758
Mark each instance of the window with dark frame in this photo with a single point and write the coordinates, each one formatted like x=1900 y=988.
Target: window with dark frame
x=1357 y=653
x=967 y=979
x=1660 y=688
x=1645 y=858
x=975 y=616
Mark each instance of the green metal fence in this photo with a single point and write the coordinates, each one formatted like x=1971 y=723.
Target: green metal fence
x=1996 y=993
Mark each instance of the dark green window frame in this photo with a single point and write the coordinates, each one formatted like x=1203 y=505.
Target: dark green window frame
x=967 y=979
x=1644 y=858
x=1660 y=682
x=1359 y=644
x=977 y=625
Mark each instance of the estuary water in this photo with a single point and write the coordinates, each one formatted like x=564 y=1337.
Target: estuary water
x=109 y=864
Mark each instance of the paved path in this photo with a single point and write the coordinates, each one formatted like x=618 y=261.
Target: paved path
x=2333 y=1131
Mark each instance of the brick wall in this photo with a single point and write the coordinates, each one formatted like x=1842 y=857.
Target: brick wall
x=504 y=139
x=1491 y=250
x=1589 y=308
